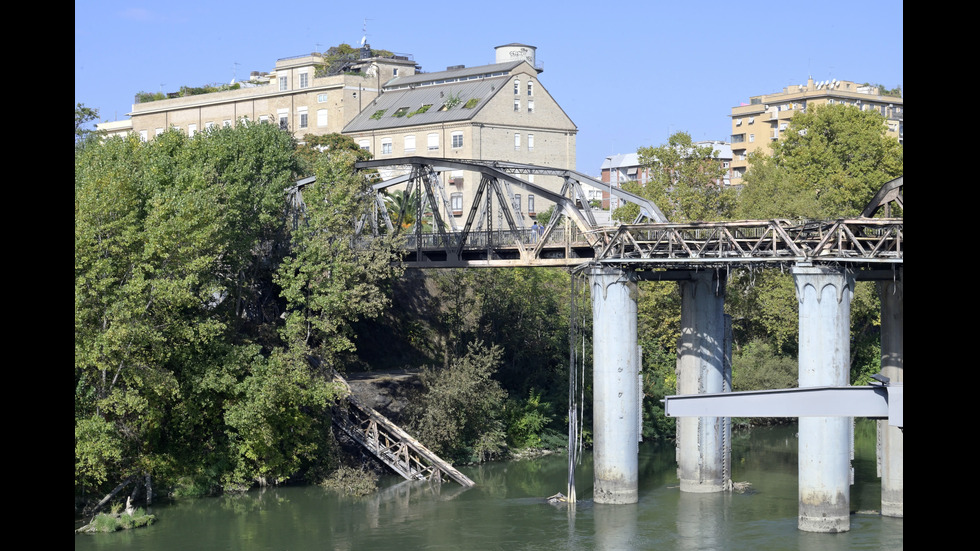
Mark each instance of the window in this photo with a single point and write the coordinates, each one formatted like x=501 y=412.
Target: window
x=530 y=88
x=530 y=106
x=158 y=131
x=282 y=84
x=394 y=72
x=457 y=140
x=751 y=120
x=321 y=98
x=321 y=117
x=226 y=123
x=304 y=80
x=517 y=105
x=304 y=118
x=433 y=141
x=143 y=136
x=783 y=125
x=365 y=145
x=456 y=203
x=517 y=87
x=401 y=112
x=517 y=202
x=209 y=125
x=386 y=146
x=517 y=141
x=191 y=129
x=751 y=137
x=530 y=142
x=409 y=144
x=738 y=122
x=263 y=118
x=283 y=117
x=530 y=205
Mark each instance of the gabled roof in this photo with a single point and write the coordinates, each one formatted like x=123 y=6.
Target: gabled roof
x=390 y=102
x=423 y=79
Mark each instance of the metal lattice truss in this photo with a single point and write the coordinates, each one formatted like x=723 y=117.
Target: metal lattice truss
x=573 y=237
x=478 y=242
x=865 y=240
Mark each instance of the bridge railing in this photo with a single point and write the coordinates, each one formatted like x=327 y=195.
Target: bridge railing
x=497 y=238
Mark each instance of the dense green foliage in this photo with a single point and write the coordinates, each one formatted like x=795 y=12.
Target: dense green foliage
x=683 y=182
x=829 y=164
x=83 y=116
x=198 y=309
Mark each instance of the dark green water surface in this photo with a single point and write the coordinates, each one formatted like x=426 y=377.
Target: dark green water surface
x=506 y=510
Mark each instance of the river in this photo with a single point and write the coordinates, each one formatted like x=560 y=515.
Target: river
x=506 y=510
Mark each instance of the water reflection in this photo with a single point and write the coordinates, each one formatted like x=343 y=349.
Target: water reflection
x=507 y=511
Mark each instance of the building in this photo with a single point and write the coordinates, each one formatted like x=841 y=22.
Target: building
x=500 y=111
x=295 y=95
x=625 y=167
x=765 y=117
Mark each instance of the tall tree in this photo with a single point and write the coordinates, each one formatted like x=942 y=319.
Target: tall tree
x=830 y=162
x=83 y=116
x=685 y=181
x=331 y=278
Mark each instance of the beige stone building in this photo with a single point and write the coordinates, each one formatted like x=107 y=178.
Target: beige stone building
x=292 y=96
x=500 y=111
x=756 y=124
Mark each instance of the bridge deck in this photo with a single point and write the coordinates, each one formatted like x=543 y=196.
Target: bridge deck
x=391 y=445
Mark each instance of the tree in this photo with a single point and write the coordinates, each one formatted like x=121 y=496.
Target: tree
x=829 y=164
x=685 y=181
x=315 y=145
x=338 y=59
x=180 y=368
x=83 y=116
x=459 y=412
x=331 y=278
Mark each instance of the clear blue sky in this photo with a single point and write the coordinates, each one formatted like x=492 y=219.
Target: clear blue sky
x=628 y=73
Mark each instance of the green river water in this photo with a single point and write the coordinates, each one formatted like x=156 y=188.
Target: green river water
x=507 y=511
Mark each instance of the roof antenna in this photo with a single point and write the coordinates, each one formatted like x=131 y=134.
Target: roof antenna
x=364 y=31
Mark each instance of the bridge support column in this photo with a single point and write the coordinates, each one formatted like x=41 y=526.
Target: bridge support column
x=892 y=438
x=824 y=296
x=616 y=396
x=703 y=449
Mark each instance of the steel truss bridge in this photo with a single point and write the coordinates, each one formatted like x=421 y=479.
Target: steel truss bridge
x=572 y=237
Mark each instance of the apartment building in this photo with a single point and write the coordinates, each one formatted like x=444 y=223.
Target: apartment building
x=295 y=95
x=500 y=111
x=761 y=121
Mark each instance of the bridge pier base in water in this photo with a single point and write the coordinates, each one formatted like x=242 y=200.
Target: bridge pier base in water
x=703 y=443
x=892 y=438
x=824 y=296
x=616 y=396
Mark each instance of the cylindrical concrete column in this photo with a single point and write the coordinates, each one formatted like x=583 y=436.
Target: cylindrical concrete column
x=892 y=443
x=615 y=391
x=701 y=442
x=824 y=296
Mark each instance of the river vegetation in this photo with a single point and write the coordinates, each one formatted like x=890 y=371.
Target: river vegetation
x=209 y=317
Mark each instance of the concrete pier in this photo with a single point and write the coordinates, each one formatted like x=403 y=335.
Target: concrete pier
x=824 y=296
x=702 y=447
x=892 y=438
x=616 y=395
